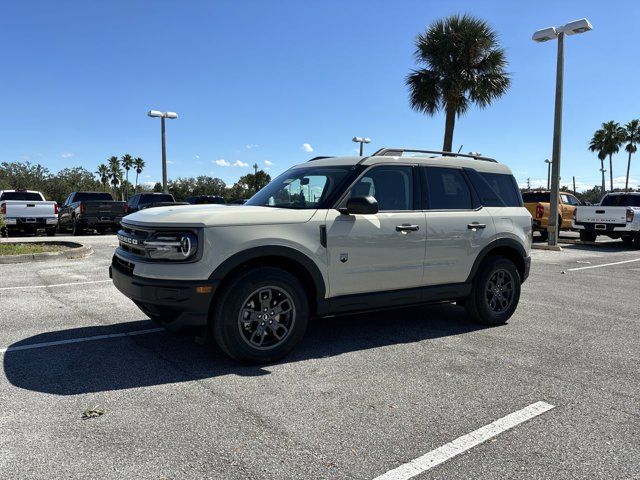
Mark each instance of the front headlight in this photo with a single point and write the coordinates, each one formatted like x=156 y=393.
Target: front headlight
x=171 y=246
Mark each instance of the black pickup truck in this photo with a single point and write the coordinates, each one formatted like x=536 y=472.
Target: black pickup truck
x=141 y=201
x=90 y=210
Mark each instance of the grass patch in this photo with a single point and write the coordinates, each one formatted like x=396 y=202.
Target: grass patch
x=22 y=248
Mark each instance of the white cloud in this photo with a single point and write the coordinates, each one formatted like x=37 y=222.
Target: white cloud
x=240 y=163
x=197 y=157
x=268 y=163
x=222 y=163
x=307 y=147
x=67 y=155
x=251 y=145
x=170 y=162
x=149 y=184
x=25 y=156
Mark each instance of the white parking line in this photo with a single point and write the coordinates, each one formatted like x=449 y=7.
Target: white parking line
x=604 y=265
x=464 y=443
x=78 y=340
x=54 y=285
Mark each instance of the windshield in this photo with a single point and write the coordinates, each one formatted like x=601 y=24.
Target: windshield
x=621 y=201
x=301 y=188
x=28 y=196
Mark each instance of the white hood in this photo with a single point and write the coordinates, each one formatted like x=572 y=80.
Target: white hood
x=216 y=216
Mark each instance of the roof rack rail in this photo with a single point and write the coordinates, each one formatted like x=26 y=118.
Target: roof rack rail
x=320 y=158
x=397 y=152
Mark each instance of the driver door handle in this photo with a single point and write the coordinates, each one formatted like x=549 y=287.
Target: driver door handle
x=405 y=227
x=473 y=226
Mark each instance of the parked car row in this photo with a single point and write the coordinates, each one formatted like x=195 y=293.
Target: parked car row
x=27 y=211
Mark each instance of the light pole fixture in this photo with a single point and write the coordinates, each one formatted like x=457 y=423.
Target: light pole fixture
x=551 y=33
x=361 y=141
x=548 y=162
x=162 y=116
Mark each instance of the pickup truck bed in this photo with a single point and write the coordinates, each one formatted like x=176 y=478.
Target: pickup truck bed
x=95 y=210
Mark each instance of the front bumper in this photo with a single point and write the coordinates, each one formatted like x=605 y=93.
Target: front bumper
x=177 y=304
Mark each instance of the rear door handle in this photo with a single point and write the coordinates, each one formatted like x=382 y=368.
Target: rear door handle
x=474 y=226
x=405 y=227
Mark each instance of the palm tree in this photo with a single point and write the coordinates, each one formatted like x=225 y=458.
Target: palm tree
x=597 y=144
x=115 y=173
x=127 y=163
x=632 y=132
x=103 y=173
x=139 y=164
x=614 y=136
x=463 y=64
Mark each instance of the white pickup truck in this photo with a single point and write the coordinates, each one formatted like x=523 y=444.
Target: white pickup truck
x=28 y=211
x=617 y=216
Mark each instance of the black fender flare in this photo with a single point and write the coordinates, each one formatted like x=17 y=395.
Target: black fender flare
x=499 y=243
x=256 y=253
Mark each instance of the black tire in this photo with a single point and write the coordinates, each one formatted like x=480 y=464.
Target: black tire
x=587 y=236
x=544 y=235
x=489 y=303
x=76 y=228
x=627 y=239
x=636 y=241
x=51 y=231
x=271 y=288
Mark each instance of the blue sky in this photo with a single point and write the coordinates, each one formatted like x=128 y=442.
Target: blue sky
x=253 y=81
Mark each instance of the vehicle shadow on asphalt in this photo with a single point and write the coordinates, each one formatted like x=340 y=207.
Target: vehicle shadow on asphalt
x=608 y=247
x=161 y=358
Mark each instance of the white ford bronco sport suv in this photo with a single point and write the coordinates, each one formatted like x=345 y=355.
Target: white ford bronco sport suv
x=330 y=236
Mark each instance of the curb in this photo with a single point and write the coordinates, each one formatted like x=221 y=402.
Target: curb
x=76 y=250
x=542 y=246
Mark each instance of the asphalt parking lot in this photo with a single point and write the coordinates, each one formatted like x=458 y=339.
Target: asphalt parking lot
x=361 y=396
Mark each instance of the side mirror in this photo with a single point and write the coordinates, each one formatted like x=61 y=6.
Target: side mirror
x=361 y=206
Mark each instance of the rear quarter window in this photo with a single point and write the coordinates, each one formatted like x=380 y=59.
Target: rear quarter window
x=495 y=189
x=25 y=196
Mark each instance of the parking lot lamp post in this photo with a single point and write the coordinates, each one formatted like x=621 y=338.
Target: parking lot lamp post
x=571 y=28
x=548 y=162
x=361 y=141
x=162 y=116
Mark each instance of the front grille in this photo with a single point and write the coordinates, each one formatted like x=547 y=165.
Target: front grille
x=122 y=265
x=131 y=240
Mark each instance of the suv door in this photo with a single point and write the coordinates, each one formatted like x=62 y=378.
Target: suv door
x=458 y=227
x=64 y=212
x=385 y=251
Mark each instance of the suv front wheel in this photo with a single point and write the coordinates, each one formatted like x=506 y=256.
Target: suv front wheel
x=495 y=292
x=261 y=315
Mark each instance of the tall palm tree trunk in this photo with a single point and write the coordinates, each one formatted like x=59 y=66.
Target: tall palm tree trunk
x=135 y=190
x=450 y=122
x=602 y=171
x=611 y=171
x=626 y=182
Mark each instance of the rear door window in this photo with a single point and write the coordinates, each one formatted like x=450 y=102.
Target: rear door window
x=447 y=189
x=536 y=197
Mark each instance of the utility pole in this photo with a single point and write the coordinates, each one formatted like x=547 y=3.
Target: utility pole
x=528 y=183
x=255 y=177
x=574 y=184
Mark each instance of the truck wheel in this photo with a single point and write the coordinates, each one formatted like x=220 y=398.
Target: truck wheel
x=261 y=315
x=587 y=236
x=51 y=231
x=636 y=241
x=76 y=228
x=544 y=235
x=495 y=292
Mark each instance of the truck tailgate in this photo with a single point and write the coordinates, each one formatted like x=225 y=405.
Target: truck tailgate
x=104 y=208
x=603 y=215
x=27 y=209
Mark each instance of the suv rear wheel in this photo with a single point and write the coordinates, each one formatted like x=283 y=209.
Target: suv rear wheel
x=261 y=315
x=495 y=293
